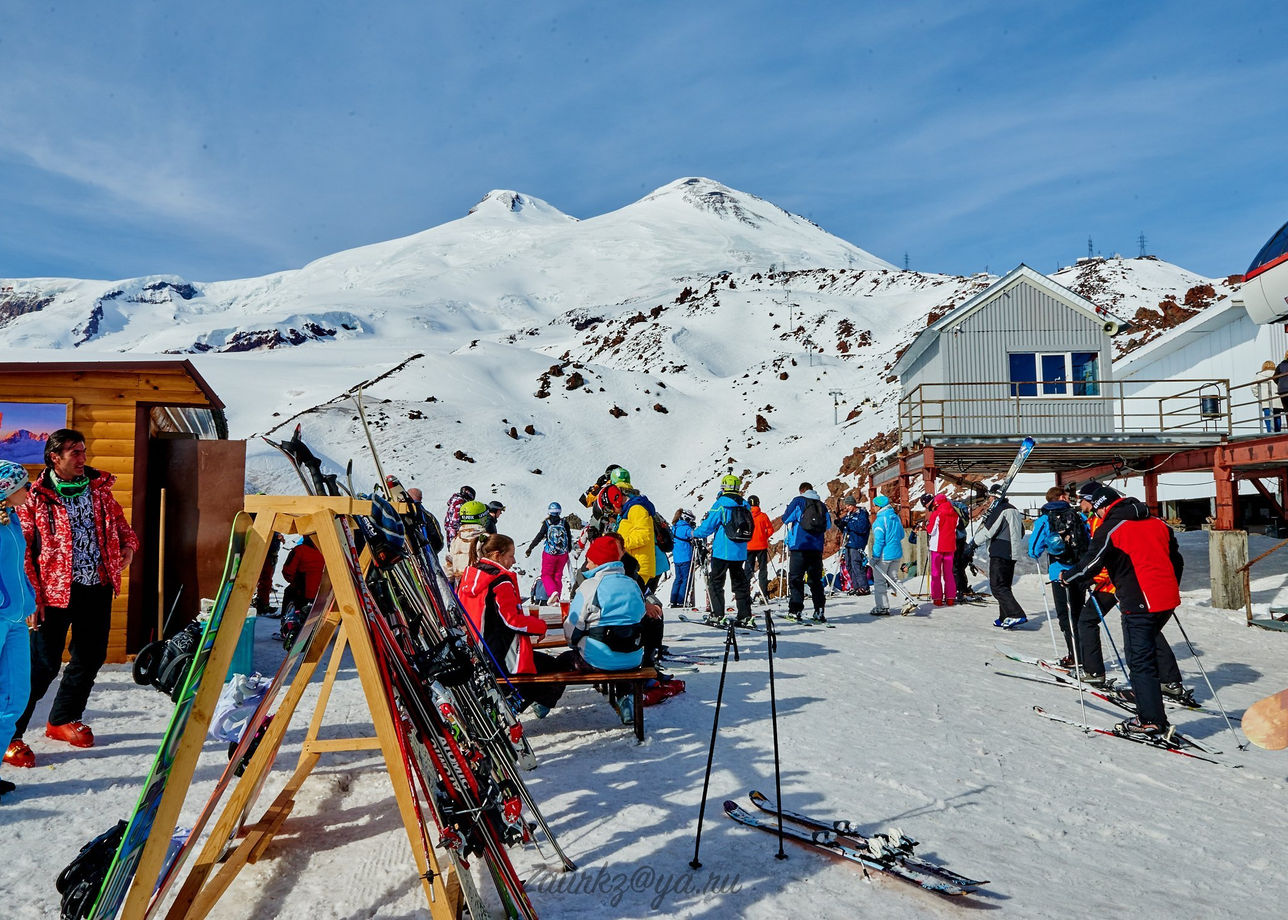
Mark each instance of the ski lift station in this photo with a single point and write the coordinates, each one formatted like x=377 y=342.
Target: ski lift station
x=1029 y=357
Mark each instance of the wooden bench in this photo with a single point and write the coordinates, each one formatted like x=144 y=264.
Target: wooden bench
x=637 y=679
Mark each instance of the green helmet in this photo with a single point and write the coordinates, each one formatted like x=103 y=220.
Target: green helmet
x=620 y=476
x=473 y=512
x=730 y=483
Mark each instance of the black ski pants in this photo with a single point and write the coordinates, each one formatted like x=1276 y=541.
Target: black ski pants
x=738 y=581
x=960 y=557
x=805 y=562
x=1090 y=652
x=758 y=561
x=1151 y=661
x=1068 y=603
x=88 y=615
x=1001 y=572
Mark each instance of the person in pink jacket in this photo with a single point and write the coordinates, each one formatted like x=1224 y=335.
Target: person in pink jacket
x=941 y=534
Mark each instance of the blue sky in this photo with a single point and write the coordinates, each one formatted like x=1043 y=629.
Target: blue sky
x=230 y=139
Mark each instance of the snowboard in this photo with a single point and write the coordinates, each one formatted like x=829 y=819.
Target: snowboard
x=120 y=873
x=1266 y=722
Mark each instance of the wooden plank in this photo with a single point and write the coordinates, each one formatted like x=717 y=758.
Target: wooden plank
x=86 y=412
x=306 y=504
x=96 y=431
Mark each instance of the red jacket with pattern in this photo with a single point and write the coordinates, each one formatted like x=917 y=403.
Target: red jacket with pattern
x=1142 y=556
x=49 y=535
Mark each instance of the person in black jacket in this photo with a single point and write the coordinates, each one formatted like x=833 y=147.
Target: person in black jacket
x=1281 y=381
x=1145 y=564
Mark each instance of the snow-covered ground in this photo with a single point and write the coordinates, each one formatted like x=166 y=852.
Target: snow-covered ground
x=900 y=721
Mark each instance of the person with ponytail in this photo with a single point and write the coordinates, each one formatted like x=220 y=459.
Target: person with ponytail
x=489 y=592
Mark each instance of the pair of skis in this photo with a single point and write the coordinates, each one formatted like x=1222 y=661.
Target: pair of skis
x=891 y=853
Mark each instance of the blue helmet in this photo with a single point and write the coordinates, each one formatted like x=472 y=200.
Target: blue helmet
x=554 y=508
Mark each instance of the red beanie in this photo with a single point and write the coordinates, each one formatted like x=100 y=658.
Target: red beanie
x=603 y=549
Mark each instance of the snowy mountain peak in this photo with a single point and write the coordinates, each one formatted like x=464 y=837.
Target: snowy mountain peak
x=506 y=203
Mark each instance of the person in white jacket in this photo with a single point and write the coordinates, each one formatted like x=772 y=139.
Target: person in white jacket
x=1267 y=396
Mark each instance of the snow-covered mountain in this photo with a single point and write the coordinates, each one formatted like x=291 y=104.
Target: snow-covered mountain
x=697 y=330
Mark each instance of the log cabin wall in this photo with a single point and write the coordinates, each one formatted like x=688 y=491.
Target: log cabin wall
x=110 y=405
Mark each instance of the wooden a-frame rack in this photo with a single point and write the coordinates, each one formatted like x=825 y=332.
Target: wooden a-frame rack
x=343 y=625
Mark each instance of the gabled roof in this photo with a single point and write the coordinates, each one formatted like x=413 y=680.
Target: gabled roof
x=1021 y=272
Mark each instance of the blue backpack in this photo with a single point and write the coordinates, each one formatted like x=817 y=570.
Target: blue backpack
x=557 y=539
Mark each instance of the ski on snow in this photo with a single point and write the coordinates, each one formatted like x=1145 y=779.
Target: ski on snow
x=893 y=844
x=1172 y=747
x=828 y=842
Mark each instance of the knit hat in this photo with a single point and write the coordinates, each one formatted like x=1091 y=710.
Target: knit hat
x=927 y=499
x=1087 y=491
x=849 y=500
x=13 y=476
x=1104 y=497
x=880 y=501
x=602 y=550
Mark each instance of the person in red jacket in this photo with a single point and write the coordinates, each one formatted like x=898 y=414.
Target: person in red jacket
x=489 y=592
x=758 y=546
x=80 y=548
x=1145 y=564
x=303 y=573
x=941 y=534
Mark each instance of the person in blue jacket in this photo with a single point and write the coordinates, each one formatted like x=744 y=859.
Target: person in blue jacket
x=727 y=555
x=681 y=554
x=1067 y=598
x=887 y=553
x=855 y=528
x=17 y=602
x=807 y=520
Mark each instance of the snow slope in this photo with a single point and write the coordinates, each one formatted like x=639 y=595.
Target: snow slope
x=901 y=721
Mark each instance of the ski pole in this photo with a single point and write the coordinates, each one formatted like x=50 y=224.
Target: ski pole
x=771 y=640
x=1203 y=671
x=1077 y=665
x=1051 y=627
x=731 y=642
x=1103 y=622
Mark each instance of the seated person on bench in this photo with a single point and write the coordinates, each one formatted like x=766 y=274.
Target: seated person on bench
x=609 y=626
x=489 y=592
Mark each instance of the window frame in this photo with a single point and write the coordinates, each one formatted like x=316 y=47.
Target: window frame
x=1041 y=386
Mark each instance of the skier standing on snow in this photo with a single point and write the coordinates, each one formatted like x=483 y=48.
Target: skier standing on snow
x=855 y=527
x=887 y=552
x=1099 y=602
x=635 y=524
x=17 y=602
x=961 y=554
x=554 y=554
x=731 y=523
x=758 y=546
x=452 y=520
x=1058 y=515
x=808 y=522
x=1145 y=563
x=84 y=547
x=1002 y=528
x=941 y=541
x=681 y=554
x=494 y=511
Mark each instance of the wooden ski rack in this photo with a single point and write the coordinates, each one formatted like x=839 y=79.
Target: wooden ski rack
x=233 y=841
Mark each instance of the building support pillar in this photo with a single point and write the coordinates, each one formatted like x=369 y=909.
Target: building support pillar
x=1226 y=491
x=1151 y=494
x=1227 y=555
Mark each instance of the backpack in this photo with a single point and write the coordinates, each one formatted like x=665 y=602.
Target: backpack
x=1067 y=534
x=558 y=540
x=662 y=536
x=739 y=524
x=813 y=519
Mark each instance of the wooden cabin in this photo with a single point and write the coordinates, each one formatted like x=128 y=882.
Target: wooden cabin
x=159 y=428
x=1024 y=356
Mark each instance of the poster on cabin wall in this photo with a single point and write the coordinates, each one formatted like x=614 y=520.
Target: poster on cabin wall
x=26 y=426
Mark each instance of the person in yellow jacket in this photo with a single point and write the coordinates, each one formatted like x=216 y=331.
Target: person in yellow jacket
x=635 y=524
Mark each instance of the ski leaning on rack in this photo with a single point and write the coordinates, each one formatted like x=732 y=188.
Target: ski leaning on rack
x=1176 y=744
x=121 y=871
x=892 y=845
x=829 y=842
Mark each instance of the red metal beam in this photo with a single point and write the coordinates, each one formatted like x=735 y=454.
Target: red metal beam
x=1268 y=496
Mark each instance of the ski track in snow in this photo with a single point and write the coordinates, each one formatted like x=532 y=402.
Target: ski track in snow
x=898 y=721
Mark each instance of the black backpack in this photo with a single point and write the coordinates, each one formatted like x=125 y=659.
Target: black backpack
x=662 y=535
x=1067 y=539
x=814 y=517
x=739 y=525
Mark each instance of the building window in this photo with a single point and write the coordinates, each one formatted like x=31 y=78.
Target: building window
x=1060 y=373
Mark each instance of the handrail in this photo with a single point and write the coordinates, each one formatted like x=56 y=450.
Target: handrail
x=1246 y=569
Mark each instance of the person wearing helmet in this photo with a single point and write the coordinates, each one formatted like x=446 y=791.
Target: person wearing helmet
x=17 y=602
x=554 y=554
x=494 y=509
x=758 y=546
x=635 y=524
x=462 y=552
x=808 y=521
x=731 y=524
x=452 y=521
x=681 y=554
